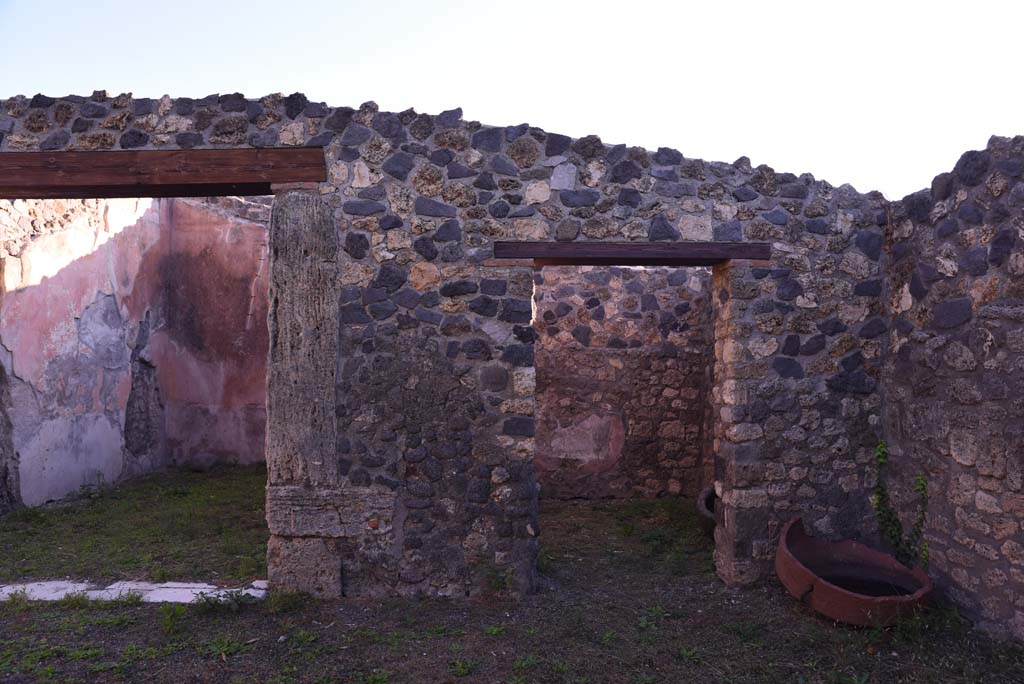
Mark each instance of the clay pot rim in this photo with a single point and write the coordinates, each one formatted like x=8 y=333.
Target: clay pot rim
x=871 y=554
x=705 y=494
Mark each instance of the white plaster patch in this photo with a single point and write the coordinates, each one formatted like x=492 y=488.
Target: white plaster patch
x=42 y=591
x=68 y=452
x=148 y=592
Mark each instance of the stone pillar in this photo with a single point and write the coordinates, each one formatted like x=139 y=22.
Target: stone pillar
x=303 y=553
x=742 y=536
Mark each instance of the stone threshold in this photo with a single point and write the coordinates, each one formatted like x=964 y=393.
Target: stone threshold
x=148 y=592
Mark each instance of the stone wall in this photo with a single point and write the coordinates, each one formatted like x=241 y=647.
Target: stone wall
x=955 y=371
x=624 y=360
x=134 y=338
x=798 y=358
x=401 y=412
x=405 y=464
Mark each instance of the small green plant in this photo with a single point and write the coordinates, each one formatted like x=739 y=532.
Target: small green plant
x=460 y=667
x=77 y=600
x=17 y=601
x=223 y=647
x=656 y=612
x=909 y=548
x=128 y=599
x=134 y=653
x=286 y=601
x=171 y=617
x=495 y=630
x=688 y=653
x=377 y=677
x=526 y=663
x=303 y=638
x=648 y=624
x=949 y=617
x=85 y=652
x=909 y=629
x=108 y=666
x=494 y=580
x=608 y=638
x=648 y=631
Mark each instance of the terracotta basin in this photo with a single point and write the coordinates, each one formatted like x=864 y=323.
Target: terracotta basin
x=706 y=501
x=848 y=581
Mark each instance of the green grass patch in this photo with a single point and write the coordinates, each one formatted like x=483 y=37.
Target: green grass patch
x=287 y=601
x=668 y=529
x=461 y=667
x=224 y=647
x=170 y=526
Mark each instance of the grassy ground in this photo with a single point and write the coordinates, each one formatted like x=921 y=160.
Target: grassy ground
x=173 y=526
x=628 y=597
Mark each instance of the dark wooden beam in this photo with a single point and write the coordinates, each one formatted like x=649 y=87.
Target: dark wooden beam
x=631 y=253
x=156 y=173
x=110 y=191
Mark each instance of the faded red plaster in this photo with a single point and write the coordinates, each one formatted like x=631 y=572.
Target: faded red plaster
x=210 y=352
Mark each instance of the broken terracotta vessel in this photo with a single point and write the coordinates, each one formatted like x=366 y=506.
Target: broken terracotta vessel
x=848 y=581
x=706 y=501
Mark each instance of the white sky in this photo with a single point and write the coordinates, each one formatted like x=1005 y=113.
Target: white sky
x=882 y=95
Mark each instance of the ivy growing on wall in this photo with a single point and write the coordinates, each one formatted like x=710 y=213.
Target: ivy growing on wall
x=909 y=548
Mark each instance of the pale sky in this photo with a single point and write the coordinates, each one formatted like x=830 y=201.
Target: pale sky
x=881 y=95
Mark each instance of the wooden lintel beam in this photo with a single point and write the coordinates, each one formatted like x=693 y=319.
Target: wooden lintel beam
x=111 y=191
x=508 y=263
x=631 y=253
x=156 y=173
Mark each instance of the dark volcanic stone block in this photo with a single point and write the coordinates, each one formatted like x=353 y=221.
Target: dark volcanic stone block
x=972 y=167
x=952 y=313
x=428 y=207
x=661 y=229
x=872 y=328
x=362 y=207
x=579 y=198
x=787 y=367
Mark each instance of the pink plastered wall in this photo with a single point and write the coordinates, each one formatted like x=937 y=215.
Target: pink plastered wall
x=143 y=319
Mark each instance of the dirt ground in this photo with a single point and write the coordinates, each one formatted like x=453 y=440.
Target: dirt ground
x=628 y=597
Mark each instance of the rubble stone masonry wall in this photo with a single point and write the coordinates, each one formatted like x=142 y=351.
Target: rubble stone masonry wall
x=401 y=404
x=419 y=477
x=955 y=374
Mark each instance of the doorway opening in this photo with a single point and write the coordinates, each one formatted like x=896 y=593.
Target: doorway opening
x=626 y=387
x=134 y=309
x=134 y=338
x=624 y=360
